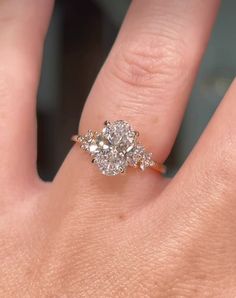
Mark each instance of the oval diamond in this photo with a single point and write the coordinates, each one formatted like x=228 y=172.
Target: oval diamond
x=110 y=163
x=120 y=134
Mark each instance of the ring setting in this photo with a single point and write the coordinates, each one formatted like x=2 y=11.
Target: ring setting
x=117 y=147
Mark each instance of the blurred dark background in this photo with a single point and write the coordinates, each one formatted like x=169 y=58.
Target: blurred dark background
x=79 y=38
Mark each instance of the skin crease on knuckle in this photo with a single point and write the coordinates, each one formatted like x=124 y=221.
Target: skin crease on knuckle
x=144 y=69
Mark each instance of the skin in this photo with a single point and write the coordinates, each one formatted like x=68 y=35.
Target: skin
x=139 y=235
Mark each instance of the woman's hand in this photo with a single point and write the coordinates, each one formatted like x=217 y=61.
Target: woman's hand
x=138 y=235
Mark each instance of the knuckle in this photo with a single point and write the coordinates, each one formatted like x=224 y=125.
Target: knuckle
x=149 y=62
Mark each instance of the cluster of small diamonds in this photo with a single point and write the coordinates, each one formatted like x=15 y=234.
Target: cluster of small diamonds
x=115 y=148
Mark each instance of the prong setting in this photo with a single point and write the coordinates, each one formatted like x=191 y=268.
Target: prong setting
x=107 y=123
x=115 y=148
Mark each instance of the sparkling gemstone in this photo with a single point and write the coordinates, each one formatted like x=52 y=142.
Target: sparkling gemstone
x=115 y=148
x=138 y=156
x=146 y=161
x=135 y=156
x=111 y=163
x=120 y=134
x=93 y=148
x=87 y=140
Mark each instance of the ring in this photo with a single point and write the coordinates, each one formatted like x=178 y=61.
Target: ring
x=115 y=148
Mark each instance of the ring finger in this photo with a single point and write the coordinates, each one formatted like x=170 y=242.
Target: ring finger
x=146 y=80
x=149 y=74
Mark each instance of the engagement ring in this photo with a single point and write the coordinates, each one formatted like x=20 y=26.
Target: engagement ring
x=115 y=148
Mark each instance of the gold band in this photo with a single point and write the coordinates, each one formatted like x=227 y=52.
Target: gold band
x=75 y=138
x=159 y=167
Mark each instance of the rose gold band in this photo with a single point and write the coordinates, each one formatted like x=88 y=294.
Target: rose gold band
x=159 y=167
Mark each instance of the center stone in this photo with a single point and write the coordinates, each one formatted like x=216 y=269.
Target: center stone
x=118 y=139
x=120 y=134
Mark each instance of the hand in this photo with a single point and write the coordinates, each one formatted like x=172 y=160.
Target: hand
x=138 y=235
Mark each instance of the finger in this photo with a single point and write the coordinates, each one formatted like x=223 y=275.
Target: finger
x=23 y=25
x=193 y=220
x=205 y=185
x=198 y=207
x=149 y=74
x=146 y=80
